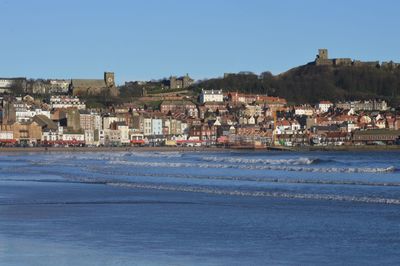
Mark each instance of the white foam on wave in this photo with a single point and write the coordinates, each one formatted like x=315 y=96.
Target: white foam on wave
x=162 y=154
x=297 y=161
x=72 y=158
x=109 y=156
x=259 y=193
x=258 y=167
x=252 y=178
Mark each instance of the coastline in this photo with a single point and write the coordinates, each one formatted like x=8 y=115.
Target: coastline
x=349 y=148
x=109 y=149
x=197 y=149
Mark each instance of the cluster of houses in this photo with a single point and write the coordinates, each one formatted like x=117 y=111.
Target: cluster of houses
x=216 y=118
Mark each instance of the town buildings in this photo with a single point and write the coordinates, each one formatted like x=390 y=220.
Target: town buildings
x=180 y=106
x=60 y=102
x=372 y=105
x=213 y=118
x=10 y=85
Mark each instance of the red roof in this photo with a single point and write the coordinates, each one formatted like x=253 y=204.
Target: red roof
x=8 y=141
x=325 y=102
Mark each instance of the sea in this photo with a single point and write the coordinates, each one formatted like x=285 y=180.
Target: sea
x=200 y=208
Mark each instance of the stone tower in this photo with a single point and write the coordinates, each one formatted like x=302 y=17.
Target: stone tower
x=73 y=119
x=187 y=81
x=323 y=54
x=173 y=82
x=109 y=79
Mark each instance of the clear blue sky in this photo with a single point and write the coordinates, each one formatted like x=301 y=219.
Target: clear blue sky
x=151 y=39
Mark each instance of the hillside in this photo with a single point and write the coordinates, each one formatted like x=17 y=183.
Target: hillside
x=311 y=83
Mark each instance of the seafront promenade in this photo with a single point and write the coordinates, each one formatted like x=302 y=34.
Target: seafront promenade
x=107 y=149
x=200 y=149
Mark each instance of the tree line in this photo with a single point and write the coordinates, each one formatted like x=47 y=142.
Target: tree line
x=311 y=83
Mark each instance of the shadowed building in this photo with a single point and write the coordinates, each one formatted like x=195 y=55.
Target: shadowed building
x=73 y=120
x=12 y=85
x=181 y=82
x=45 y=123
x=8 y=112
x=94 y=86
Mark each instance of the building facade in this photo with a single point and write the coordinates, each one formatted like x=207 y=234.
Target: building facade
x=211 y=96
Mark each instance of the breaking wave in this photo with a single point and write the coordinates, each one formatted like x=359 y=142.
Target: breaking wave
x=123 y=175
x=104 y=156
x=282 y=180
x=259 y=193
x=94 y=202
x=258 y=167
x=165 y=154
x=298 y=161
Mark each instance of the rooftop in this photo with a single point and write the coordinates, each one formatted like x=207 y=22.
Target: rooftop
x=88 y=83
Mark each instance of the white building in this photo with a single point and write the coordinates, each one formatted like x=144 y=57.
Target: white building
x=250 y=121
x=156 y=127
x=90 y=137
x=324 y=106
x=51 y=135
x=124 y=133
x=66 y=102
x=25 y=115
x=152 y=126
x=352 y=127
x=211 y=96
x=6 y=135
x=90 y=120
x=21 y=111
x=6 y=83
x=304 y=110
x=147 y=126
x=98 y=122
x=295 y=125
x=24 y=112
x=73 y=137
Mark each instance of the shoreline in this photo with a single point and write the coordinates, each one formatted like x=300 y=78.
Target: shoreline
x=109 y=149
x=197 y=149
x=363 y=148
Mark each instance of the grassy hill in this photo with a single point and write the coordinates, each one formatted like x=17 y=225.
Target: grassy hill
x=311 y=83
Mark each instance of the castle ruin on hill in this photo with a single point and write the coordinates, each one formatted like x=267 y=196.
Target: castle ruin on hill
x=322 y=59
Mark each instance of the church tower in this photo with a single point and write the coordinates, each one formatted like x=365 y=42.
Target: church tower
x=109 y=79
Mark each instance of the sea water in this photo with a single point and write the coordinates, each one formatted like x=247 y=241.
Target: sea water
x=200 y=208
